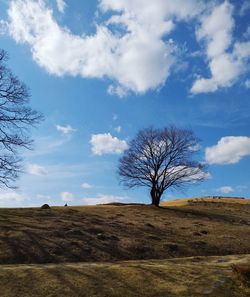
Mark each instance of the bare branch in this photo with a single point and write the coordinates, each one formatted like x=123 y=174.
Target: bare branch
x=160 y=159
x=16 y=117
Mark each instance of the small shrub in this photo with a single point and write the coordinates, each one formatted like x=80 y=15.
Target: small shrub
x=45 y=206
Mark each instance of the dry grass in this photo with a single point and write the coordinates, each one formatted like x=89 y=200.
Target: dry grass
x=213 y=199
x=114 y=233
x=89 y=236
x=187 y=277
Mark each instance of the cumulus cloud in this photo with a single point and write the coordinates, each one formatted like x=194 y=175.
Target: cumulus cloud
x=130 y=45
x=225 y=66
x=65 y=129
x=225 y=190
x=107 y=144
x=35 y=169
x=228 y=150
x=61 y=5
x=102 y=199
x=86 y=186
x=133 y=54
x=67 y=196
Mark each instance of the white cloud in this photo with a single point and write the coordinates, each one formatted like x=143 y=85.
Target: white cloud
x=117 y=90
x=43 y=197
x=65 y=129
x=190 y=174
x=61 y=5
x=46 y=145
x=247 y=33
x=3 y=27
x=225 y=66
x=102 y=199
x=225 y=190
x=67 y=196
x=35 y=169
x=195 y=148
x=107 y=144
x=247 y=83
x=118 y=129
x=11 y=196
x=244 y=7
x=228 y=150
x=86 y=186
x=134 y=56
x=131 y=47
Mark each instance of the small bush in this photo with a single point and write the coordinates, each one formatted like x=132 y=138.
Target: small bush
x=45 y=206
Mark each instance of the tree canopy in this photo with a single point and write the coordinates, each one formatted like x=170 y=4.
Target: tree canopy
x=160 y=159
x=16 y=117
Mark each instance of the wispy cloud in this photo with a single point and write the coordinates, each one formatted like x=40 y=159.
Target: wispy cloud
x=115 y=117
x=12 y=199
x=245 y=7
x=118 y=129
x=46 y=145
x=67 y=197
x=225 y=190
x=247 y=83
x=35 y=169
x=65 y=129
x=102 y=199
x=86 y=186
x=61 y=5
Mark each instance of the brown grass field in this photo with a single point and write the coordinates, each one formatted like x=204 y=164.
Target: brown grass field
x=182 y=277
x=108 y=234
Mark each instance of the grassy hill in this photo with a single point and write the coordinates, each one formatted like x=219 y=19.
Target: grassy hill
x=113 y=233
x=88 y=236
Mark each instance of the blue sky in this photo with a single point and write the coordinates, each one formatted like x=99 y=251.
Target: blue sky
x=101 y=70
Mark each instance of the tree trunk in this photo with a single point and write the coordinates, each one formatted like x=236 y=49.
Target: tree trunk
x=155 y=196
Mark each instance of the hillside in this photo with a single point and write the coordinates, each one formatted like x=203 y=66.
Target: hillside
x=129 y=232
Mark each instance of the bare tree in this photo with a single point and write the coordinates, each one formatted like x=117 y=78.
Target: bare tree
x=160 y=159
x=16 y=117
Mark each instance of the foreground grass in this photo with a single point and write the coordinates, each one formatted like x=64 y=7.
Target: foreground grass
x=115 y=233
x=186 y=277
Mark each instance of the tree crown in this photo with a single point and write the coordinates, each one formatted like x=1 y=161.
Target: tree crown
x=15 y=119
x=161 y=158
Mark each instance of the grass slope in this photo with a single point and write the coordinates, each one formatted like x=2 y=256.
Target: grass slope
x=114 y=233
x=187 y=277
